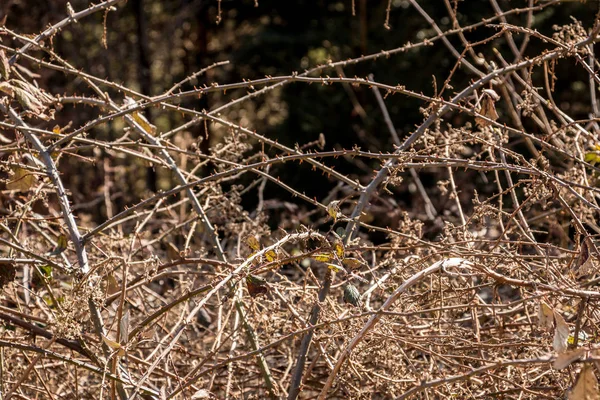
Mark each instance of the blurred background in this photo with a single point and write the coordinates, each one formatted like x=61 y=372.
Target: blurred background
x=152 y=44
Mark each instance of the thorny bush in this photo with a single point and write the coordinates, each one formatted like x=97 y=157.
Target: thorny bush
x=483 y=284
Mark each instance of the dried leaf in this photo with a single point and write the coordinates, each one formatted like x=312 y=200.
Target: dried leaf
x=323 y=257
x=352 y=263
x=28 y=101
x=585 y=261
x=143 y=122
x=139 y=118
x=124 y=327
x=253 y=243
x=114 y=346
x=61 y=245
x=545 y=316
x=492 y=94
x=256 y=285
x=336 y=268
x=271 y=255
x=4 y=65
x=202 y=394
x=333 y=209
x=338 y=246
x=34 y=91
x=488 y=108
x=561 y=333
x=22 y=180
x=586 y=387
x=351 y=294
x=565 y=359
x=112 y=286
x=7 y=88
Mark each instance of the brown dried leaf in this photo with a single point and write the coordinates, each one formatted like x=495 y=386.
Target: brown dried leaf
x=203 y=394
x=256 y=285
x=114 y=346
x=561 y=333
x=488 y=109
x=7 y=88
x=545 y=316
x=22 y=180
x=586 y=387
x=565 y=359
x=352 y=263
x=34 y=91
x=585 y=261
x=124 y=327
x=28 y=101
x=112 y=286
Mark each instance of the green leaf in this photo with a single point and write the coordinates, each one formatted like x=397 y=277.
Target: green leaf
x=45 y=271
x=61 y=245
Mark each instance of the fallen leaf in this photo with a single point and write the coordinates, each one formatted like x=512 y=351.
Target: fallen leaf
x=586 y=387
x=563 y=360
x=545 y=316
x=561 y=333
x=112 y=286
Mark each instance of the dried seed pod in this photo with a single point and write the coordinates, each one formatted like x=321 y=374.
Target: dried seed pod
x=351 y=294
